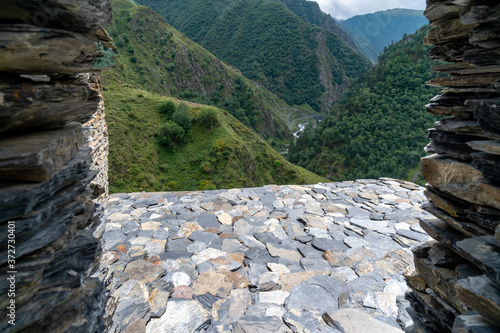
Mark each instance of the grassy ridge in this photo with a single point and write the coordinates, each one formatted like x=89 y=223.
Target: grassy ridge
x=230 y=155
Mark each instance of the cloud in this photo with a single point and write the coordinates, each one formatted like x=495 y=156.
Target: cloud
x=343 y=9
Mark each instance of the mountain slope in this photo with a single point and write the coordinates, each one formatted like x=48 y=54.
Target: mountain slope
x=378 y=127
x=156 y=57
x=373 y=32
x=226 y=156
x=299 y=62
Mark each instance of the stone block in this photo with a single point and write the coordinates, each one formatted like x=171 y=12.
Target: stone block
x=482 y=296
x=19 y=199
x=458 y=179
x=45 y=105
x=38 y=156
x=75 y=15
x=22 y=47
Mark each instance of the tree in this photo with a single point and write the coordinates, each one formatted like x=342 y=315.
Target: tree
x=207 y=117
x=168 y=108
x=182 y=116
x=170 y=133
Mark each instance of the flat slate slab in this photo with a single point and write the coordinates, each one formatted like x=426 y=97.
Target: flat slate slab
x=275 y=258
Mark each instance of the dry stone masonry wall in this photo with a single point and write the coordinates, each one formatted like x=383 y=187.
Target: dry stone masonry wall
x=50 y=189
x=457 y=286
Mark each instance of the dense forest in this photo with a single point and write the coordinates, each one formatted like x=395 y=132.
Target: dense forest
x=373 y=32
x=379 y=127
x=298 y=61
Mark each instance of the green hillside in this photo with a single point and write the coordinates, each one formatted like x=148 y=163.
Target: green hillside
x=310 y=12
x=153 y=56
x=299 y=62
x=378 y=127
x=373 y=32
x=227 y=155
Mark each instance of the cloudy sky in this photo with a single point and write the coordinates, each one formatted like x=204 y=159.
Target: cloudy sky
x=343 y=9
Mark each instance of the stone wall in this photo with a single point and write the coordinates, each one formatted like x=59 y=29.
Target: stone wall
x=457 y=286
x=53 y=169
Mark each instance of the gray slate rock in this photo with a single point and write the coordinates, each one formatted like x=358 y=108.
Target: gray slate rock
x=319 y=294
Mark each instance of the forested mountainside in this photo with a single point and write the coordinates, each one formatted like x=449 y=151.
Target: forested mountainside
x=310 y=12
x=161 y=143
x=154 y=56
x=298 y=61
x=378 y=127
x=373 y=32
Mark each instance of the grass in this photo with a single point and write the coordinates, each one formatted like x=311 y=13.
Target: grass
x=228 y=156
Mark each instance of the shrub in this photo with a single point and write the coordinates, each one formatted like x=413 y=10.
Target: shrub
x=206 y=185
x=182 y=117
x=207 y=117
x=170 y=67
x=170 y=133
x=277 y=164
x=168 y=108
x=173 y=185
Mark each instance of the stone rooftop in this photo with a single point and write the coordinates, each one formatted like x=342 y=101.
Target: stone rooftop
x=326 y=257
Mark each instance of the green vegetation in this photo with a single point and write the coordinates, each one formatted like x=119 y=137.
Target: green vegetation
x=378 y=127
x=153 y=56
x=373 y=32
x=149 y=152
x=298 y=61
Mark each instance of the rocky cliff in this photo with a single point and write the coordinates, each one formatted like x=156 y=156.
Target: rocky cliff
x=457 y=286
x=52 y=142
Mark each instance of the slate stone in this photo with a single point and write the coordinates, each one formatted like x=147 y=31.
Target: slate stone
x=324 y=244
x=310 y=252
x=207 y=300
x=354 y=320
x=259 y=256
x=202 y=236
x=304 y=239
x=358 y=213
x=253 y=324
x=179 y=317
x=318 y=295
x=306 y=322
x=472 y=322
x=144 y=203
x=267 y=237
x=442 y=256
x=128 y=310
x=482 y=296
x=179 y=244
x=484 y=253
x=314 y=264
x=175 y=255
x=413 y=235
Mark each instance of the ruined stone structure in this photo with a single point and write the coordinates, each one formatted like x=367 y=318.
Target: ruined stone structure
x=51 y=197
x=458 y=283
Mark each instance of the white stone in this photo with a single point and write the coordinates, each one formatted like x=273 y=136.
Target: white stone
x=276 y=297
x=275 y=311
x=278 y=268
x=356 y=321
x=207 y=254
x=224 y=218
x=269 y=277
x=179 y=317
x=180 y=279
